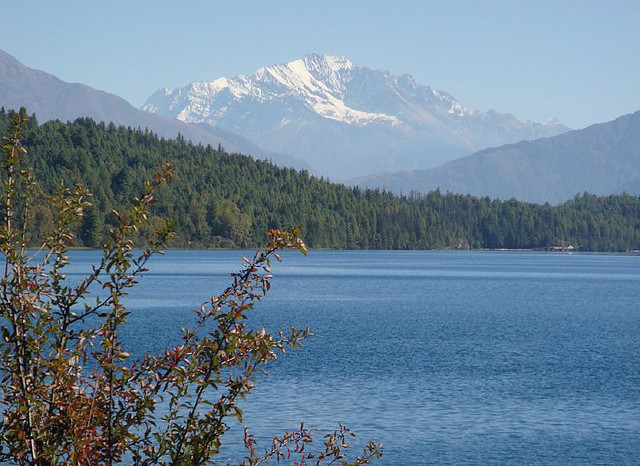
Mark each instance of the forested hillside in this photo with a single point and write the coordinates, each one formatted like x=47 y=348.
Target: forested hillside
x=229 y=200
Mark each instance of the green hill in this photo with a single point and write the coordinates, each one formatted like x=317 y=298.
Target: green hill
x=229 y=200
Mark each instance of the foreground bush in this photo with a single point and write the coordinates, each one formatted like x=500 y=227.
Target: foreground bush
x=72 y=394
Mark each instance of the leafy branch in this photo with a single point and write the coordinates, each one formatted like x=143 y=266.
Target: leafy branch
x=70 y=393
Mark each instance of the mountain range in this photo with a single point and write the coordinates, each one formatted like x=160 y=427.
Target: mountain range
x=51 y=98
x=600 y=159
x=333 y=118
x=342 y=119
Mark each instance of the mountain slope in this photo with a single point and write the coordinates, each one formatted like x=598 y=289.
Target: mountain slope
x=51 y=98
x=217 y=199
x=343 y=119
x=600 y=159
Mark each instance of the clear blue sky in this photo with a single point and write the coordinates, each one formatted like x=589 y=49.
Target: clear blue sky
x=575 y=60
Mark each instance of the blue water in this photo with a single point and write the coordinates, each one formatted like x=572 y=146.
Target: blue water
x=444 y=357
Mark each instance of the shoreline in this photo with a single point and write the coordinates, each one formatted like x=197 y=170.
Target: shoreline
x=545 y=250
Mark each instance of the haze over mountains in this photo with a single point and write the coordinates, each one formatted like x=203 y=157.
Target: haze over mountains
x=51 y=98
x=350 y=121
x=600 y=159
x=344 y=120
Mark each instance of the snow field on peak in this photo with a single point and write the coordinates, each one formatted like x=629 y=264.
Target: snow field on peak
x=332 y=88
x=315 y=81
x=296 y=77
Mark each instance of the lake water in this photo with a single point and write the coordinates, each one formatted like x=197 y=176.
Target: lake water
x=444 y=357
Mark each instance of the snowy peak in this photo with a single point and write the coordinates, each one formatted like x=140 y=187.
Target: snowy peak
x=327 y=63
x=317 y=81
x=343 y=119
x=333 y=72
x=313 y=73
x=320 y=83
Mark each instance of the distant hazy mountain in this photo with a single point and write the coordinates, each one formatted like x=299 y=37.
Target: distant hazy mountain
x=600 y=159
x=51 y=98
x=343 y=119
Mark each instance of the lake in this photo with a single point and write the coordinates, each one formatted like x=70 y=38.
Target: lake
x=444 y=357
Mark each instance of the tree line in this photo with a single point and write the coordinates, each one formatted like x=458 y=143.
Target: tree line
x=219 y=199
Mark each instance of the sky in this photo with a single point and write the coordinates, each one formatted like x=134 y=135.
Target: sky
x=578 y=61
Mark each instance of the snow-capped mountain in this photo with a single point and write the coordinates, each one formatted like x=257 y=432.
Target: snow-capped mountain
x=51 y=98
x=342 y=119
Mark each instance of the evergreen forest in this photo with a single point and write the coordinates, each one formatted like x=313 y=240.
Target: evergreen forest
x=219 y=199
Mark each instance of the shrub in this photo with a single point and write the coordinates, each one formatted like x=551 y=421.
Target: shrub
x=72 y=394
